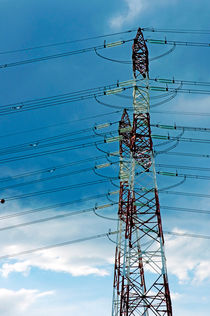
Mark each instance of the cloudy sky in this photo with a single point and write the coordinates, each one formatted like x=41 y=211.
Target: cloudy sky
x=78 y=278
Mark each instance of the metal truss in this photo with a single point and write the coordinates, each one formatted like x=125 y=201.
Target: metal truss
x=140 y=275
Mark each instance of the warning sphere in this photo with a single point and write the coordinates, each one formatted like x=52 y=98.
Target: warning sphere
x=2 y=201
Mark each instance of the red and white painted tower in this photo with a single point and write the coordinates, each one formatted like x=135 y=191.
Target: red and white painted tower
x=140 y=276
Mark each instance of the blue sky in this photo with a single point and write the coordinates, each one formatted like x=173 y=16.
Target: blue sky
x=78 y=278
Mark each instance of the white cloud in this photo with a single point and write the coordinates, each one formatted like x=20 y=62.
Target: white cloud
x=188 y=261
x=187 y=103
x=202 y=271
x=175 y=296
x=82 y=259
x=83 y=307
x=131 y=12
x=16 y=302
x=133 y=9
x=21 y=267
x=198 y=104
x=76 y=261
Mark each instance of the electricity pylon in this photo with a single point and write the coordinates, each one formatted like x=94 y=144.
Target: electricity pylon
x=140 y=277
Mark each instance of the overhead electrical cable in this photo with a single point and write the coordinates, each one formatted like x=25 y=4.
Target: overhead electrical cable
x=201 y=195
x=195 y=155
x=163 y=54
x=184 y=209
x=57 y=124
x=93 y=209
x=39 y=145
x=63 y=135
x=181 y=31
x=58 y=205
x=181 y=113
x=180 y=81
x=65 y=42
x=187 y=235
x=128 y=62
x=186 y=128
x=60 y=216
x=70 y=242
x=112 y=89
x=58 y=176
x=113 y=60
x=182 y=167
x=42 y=143
x=183 y=139
x=53 y=151
x=64 y=54
x=55 y=190
x=65 y=98
x=145 y=29
x=172 y=95
x=180 y=90
x=108 y=89
x=50 y=169
x=179 y=43
x=159 y=96
x=183 y=175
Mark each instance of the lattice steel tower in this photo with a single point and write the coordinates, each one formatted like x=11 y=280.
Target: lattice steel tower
x=140 y=276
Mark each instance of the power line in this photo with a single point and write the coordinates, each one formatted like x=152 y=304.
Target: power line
x=182 y=113
x=117 y=88
x=58 y=124
x=184 y=209
x=187 y=235
x=17 y=185
x=65 y=98
x=106 y=140
x=65 y=42
x=181 y=31
x=58 y=189
x=51 y=169
x=62 y=149
x=40 y=144
x=70 y=242
x=180 y=81
x=201 y=195
x=105 y=89
x=195 y=155
x=172 y=95
x=58 y=176
x=164 y=173
x=183 y=139
x=184 y=175
x=56 y=217
x=182 y=167
x=94 y=91
x=88 y=210
x=177 y=127
x=178 y=90
x=58 y=205
x=179 y=43
x=145 y=29
x=65 y=54
x=54 y=151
